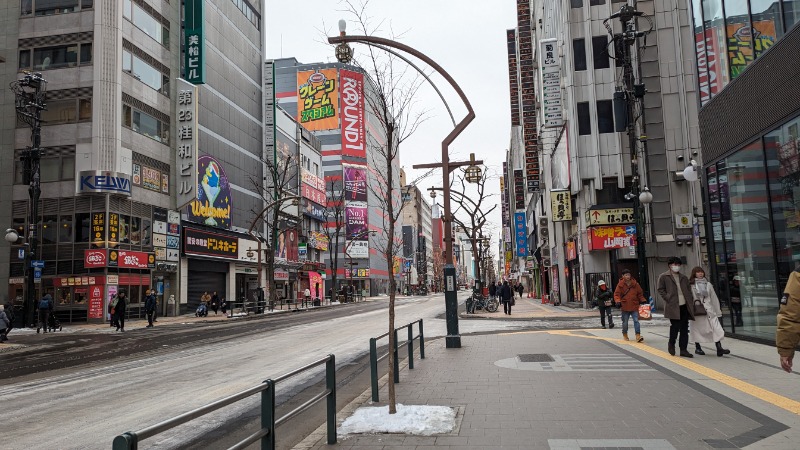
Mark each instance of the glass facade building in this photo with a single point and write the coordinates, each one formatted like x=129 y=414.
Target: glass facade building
x=731 y=34
x=752 y=176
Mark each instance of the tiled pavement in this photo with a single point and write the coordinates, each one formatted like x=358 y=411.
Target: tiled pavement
x=596 y=400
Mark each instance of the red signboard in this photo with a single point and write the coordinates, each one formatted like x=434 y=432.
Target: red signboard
x=315 y=195
x=95 y=258
x=125 y=259
x=612 y=237
x=351 y=102
x=96 y=302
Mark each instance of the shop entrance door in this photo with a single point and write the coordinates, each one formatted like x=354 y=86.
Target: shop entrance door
x=205 y=276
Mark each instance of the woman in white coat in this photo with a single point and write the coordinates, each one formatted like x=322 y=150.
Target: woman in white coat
x=706 y=328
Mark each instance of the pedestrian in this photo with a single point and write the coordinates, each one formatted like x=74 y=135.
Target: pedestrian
x=45 y=305
x=112 y=312
x=673 y=286
x=215 y=302
x=316 y=290
x=736 y=301
x=492 y=290
x=787 y=334
x=155 y=311
x=224 y=305
x=628 y=296
x=5 y=324
x=605 y=301
x=507 y=297
x=706 y=328
x=306 y=297
x=150 y=307
x=520 y=289
x=9 y=310
x=119 y=310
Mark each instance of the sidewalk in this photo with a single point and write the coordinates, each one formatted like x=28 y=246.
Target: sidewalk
x=184 y=319
x=583 y=389
x=532 y=308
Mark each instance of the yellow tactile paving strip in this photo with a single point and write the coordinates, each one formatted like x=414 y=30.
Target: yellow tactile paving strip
x=770 y=397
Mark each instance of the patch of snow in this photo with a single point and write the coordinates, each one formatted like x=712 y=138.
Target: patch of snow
x=422 y=420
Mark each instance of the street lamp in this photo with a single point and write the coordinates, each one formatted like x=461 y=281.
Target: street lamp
x=453 y=338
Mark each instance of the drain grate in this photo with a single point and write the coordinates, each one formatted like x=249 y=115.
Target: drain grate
x=535 y=357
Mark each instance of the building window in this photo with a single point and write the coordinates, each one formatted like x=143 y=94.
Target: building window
x=584 y=123
x=145 y=22
x=791 y=13
x=579 y=54
x=56 y=57
x=144 y=124
x=605 y=116
x=600 y=57
x=597 y=2
x=65 y=229
x=51 y=169
x=144 y=72
x=51 y=7
x=67 y=111
x=576 y=3
x=83 y=227
x=249 y=13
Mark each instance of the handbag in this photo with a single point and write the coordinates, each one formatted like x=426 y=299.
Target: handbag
x=698 y=308
x=644 y=312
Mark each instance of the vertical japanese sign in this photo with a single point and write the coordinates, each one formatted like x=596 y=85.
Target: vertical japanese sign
x=96 y=302
x=709 y=72
x=521 y=234
x=186 y=143
x=351 y=97
x=561 y=204
x=268 y=93
x=513 y=76
x=519 y=189
x=194 y=41
x=317 y=99
x=551 y=83
x=98 y=229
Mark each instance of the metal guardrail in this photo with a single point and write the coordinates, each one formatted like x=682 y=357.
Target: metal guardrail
x=374 y=359
x=266 y=434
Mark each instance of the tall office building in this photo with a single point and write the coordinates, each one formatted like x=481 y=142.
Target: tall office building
x=125 y=143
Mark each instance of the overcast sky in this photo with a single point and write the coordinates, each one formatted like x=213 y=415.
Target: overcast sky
x=466 y=38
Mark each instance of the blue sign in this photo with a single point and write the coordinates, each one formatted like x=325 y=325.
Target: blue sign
x=173 y=241
x=37 y=275
x=630 y=230
x=37 y=264
x=21 y=253
x=521 y=234
x=313 y=210
x=97 y=181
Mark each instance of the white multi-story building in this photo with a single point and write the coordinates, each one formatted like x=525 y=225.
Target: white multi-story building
x=583 y=163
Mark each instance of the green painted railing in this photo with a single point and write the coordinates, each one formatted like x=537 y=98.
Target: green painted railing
x=374 y=359
x=266 y=434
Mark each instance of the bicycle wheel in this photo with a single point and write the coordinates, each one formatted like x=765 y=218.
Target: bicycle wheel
x=491 y=306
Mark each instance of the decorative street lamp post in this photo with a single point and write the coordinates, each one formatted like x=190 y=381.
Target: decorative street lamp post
x=344 y=54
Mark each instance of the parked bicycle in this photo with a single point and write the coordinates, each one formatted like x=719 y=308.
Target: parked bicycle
x=485 y=303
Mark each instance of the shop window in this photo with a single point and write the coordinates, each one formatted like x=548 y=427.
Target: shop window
x=63 y=296
x=584 y=123
x=748 y=235
x=65 y=229
x=600 y=58
x=124 y=229
x=605 y=116
x=83 y=227
x=135 y=234
x=80 y=296
x=146 y=231
x=579 y=54
x=134 y=294
x=49 y=229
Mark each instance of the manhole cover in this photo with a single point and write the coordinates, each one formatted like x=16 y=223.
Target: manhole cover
x=535 y=357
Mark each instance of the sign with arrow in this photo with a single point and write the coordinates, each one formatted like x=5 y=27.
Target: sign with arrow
x=613 y=216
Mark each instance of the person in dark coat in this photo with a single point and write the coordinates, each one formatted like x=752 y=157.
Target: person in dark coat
x=520 y=289
x=492 y=290
x=215 y=302
x=119 y=310
x=605 y=302
x=5 y=324
x=45 y=308
x=149 y=307
x=674 y=288
x=506 y=297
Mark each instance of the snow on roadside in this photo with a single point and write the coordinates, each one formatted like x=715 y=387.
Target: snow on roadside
x=421 y=420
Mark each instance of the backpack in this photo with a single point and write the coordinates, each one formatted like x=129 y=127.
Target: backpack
x=44 y=304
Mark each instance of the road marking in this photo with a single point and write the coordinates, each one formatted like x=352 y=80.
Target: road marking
x=793 y=406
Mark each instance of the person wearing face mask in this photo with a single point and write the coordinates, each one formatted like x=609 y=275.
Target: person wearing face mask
x=628 y=296
x=706 y=328
x=673 y=286
x=605 y=301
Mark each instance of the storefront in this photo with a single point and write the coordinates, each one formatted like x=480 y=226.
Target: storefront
x=752 y=189
x=573 y=272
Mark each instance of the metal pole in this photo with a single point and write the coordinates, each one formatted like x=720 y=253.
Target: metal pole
x=373 y=368
x=330 y=381
x=268 y=415
x=421 y=341
x=410 y=346
x=396 y=359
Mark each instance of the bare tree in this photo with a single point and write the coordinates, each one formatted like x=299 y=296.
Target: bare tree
x=281 y=177
x=474 y=207
x=334 y=229
x=391 y=102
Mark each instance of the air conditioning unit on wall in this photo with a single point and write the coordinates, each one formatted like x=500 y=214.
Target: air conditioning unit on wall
x=543 y=222
x=546 y=262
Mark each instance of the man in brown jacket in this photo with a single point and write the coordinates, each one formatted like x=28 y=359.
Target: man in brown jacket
x=673 y=286
x=628 y=295
x=787 y=334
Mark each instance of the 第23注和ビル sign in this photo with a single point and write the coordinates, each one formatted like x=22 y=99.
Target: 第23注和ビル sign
x=98 y=181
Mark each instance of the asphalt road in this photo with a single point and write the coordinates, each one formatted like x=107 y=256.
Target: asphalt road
x=72 y=390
